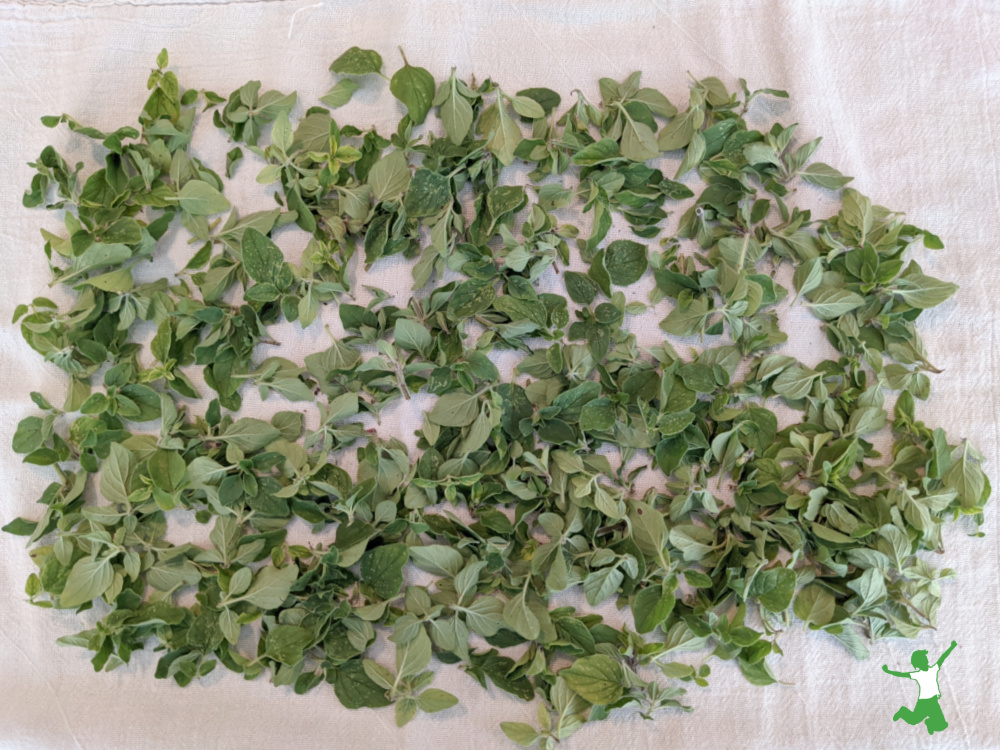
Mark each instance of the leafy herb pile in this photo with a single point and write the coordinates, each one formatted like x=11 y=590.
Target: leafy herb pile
x=747 y=523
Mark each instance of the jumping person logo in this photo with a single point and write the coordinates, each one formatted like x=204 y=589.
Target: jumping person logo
x=927 y=709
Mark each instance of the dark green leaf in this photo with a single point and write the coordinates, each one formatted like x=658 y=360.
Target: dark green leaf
x=414 y=87
x=357 y=62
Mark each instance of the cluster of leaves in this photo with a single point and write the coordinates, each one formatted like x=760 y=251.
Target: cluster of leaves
x=747 y=524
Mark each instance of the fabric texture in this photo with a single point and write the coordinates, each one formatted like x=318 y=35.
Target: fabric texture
x=907 y=98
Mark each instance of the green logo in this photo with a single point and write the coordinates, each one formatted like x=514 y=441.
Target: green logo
x=927 y=710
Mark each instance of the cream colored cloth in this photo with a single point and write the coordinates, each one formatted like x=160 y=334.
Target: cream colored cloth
x=906 y=97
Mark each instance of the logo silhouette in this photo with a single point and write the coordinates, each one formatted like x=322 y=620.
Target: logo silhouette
x=927 y=710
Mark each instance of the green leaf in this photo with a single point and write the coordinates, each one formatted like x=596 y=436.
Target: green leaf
x=28 y=436
x=602 y=583
x=20 y=527
x=506 y=135
x=240 y=581
x=505 y=199
x=794 y=382
x=829 y=303
x=517 y=615
x=427 y=195
x=652 y=606
x=340 y=94
x=99 y=255
x=406 y=710
x=674 y=424
x=761 y=153
x=433 y=700
x=96 y=403
x=772 y=365
x=679 y=131
x=378 y=674
x=693 y=156
x=113 y=281
x=920 y=291
x=866 y=420
x=857 y=211
x=285 y=643
x=355 y=689
x=457 y=116
x=389 y=177
x=249 y=434
x=438 y=559
x=808 y=276
x=649 y=530
x=271 y=586
x=597 y=679
x=485 y=615
x=225 y=535
x=774 y=588
x=758 y=673
x=414 y=87
x=198 y=198
x=357 y=62
x=166 y=469
x=382 y=569
x=851 y=639
x=339 y=357
x=281 y=132
x=657 y=103
x=412 y=336
x=343 y=406
x=229 y=624
x=262 y=259
x=825 y=176
x=870 y=588
x=87 y=580
x=815 y=605
x=580 y=288
x=471 y=297
x=523 y=734
x=598 y=414
x=42 y=457
x=413 y=657
x=602 y=151
x=116 y=474
x=527 y=107
x=599 y=274
x=547 y=98
x=638 y=141
x=687 y=320
x=455 y=410
x=967 y=478
x=625 y=261
x=695 y=542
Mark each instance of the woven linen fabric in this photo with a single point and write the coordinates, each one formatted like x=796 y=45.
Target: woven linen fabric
x=907 y=98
